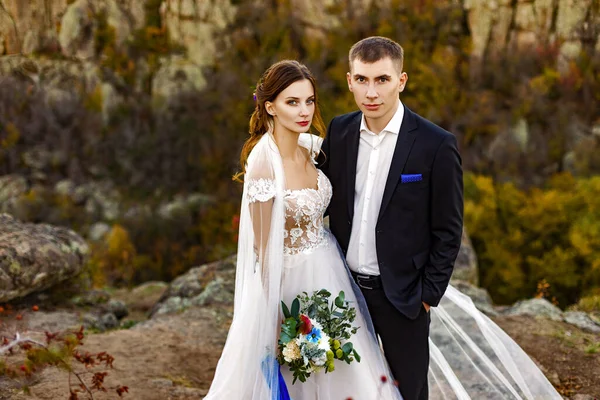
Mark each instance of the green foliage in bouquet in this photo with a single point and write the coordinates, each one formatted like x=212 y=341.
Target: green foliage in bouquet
x=314 y=333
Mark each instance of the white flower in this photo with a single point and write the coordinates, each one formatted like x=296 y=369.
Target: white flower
x=291 y=351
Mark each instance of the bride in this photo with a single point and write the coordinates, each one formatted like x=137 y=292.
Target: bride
x=284 y=250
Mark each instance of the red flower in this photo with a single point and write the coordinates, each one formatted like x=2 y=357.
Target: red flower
x=383 y=378
x=305 y=325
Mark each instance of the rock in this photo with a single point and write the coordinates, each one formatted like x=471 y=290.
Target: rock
x=98 y=231
x=480 y=296
x=581 y=320
x=65 y=187
x=91 y=298
x=182 y=207
x=117 y=308
x=466 y=267
x=101 y=199
x=176 y=74
x=214 y=292
x=80 y=24
x=109 y=320
x=12 y=188
x=35 y=257
x=100 y=322
x=536 y=308
x=29 y=25
x=195 y=23
x=209 y=283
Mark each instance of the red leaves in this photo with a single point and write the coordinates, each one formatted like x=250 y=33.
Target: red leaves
x=40 y=354
x=121 y=390
x=98 y=381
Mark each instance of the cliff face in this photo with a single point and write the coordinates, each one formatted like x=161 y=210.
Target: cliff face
x=29 y=26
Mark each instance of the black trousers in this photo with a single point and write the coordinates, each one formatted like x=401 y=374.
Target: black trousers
x=405 y=343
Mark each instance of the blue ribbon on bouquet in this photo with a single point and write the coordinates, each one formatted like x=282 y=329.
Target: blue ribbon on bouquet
x=267 y=365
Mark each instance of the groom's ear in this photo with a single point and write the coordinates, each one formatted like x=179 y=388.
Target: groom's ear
x=402 y=81
x=349 y=78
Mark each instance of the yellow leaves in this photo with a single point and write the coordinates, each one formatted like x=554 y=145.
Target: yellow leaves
x=542 y=84
x=12 y=137
x=524 y=237
x=113 y=261
x=94 y=100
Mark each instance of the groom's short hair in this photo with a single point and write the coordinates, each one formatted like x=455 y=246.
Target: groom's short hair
x=375 y=48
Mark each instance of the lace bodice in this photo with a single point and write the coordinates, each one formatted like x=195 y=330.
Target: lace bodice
x=304 y=209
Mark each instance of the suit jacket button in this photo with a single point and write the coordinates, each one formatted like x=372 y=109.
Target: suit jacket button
x=349 y=223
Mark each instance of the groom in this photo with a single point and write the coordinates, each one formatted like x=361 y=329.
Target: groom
x=397 y=207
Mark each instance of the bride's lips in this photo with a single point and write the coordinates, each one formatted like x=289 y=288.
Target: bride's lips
x=372 y=107
x=303 y=123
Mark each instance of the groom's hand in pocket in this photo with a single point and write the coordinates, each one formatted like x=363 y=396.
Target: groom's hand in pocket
x=427 y=306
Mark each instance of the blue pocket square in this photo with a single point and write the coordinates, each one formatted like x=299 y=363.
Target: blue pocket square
x=406 y=178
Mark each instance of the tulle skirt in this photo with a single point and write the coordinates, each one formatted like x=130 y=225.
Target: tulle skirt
x=470 y=356
x=324 y=268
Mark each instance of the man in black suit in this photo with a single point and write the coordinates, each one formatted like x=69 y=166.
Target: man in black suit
x=397 y=207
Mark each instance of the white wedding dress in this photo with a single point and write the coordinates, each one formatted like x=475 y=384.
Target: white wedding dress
x=284 y=250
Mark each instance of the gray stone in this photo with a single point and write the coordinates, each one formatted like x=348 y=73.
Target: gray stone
x=479 y=296
x=65 y=187
x=109 y=320
x=214 y=292
x=466 y=267
x=209 y=283
x=118 y=308
x=536 y=308
x=100 y=322
x=12 y=188
x=581 y=320
x=91 y=298
x=35 y=257
x=98 y=231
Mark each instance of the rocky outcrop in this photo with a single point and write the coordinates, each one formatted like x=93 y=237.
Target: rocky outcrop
x=36 y=257
x=208 y=284
x=504 y=25
x=495 y=26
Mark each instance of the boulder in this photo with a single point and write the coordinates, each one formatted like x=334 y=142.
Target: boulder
x=208 y=284
x=581 y=320
x=536 y=308
x=35 y=257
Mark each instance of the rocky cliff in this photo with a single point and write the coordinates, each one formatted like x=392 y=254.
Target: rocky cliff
x=30 y=26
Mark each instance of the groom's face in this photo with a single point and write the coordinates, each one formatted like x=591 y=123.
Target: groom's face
x=376 y=87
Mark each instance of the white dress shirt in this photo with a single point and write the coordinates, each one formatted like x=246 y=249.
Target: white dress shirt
x=375 y=152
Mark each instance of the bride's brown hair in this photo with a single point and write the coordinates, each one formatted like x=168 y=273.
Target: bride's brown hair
x=273 y=81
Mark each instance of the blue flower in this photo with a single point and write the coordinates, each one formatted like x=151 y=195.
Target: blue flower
x=314 y=335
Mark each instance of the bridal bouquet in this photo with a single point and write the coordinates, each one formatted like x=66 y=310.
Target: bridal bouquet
x=314 y=333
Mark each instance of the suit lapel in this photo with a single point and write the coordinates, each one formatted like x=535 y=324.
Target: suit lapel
x=406 y=138
x=352 y=138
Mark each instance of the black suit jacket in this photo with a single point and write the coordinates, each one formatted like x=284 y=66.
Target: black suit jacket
x=418 y=233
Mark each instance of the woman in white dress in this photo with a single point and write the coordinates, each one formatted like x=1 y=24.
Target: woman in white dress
x=284 y=250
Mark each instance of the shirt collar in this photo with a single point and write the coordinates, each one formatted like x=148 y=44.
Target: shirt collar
x=392 y=127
